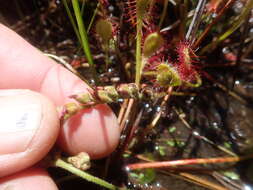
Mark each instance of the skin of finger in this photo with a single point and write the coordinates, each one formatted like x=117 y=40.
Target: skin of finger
x=42 y=141
x=32 y=178
x=72 y=136
x=23 y=66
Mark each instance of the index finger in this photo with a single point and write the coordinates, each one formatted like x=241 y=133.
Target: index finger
x=22 y=66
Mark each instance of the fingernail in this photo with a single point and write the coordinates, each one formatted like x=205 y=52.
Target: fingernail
x=20 y=117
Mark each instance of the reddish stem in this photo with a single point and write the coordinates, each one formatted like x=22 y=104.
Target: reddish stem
x=174 y=163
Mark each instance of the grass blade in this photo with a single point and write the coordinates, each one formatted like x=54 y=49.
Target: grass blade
x=84 y=38
x=65 y=3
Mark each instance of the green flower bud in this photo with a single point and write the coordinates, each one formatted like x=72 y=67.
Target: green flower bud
x=108 y=94
x=84 y=98
x=104 y=30
x=71 y=108
x=128 y=90
x=152 y=43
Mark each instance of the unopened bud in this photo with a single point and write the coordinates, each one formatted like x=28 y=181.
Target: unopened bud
x=104 y=30
x=69 y=110
x=84 y=98
x=128 y=90
x=108 y=94
x=152 y=43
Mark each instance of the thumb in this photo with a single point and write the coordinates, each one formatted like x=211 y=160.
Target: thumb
x=29 y=127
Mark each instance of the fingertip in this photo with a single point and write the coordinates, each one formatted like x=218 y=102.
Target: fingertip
x=37 y=72
x=93 y=130
x=29 y=128
x=32 y=178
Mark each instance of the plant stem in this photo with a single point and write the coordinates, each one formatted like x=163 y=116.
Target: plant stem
x=138 y=52
x=173 y=163
x=157 y=116
x=190 y=36
x=62 y=164
x=82 y=7
x=107 y=60
x=191 y=178
x=84 y=38
x=165 y=6
x=93 y=17
x=72 y=21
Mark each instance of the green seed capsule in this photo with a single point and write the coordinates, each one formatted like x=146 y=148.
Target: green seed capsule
x=104 y=30
x=152 y=43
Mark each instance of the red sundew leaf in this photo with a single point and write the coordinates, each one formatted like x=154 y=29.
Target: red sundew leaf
x=184 y=65
x=184 y=51
x=137 y=10
x=186 y=72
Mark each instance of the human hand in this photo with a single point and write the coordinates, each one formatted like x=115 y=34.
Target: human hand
x=29 y=122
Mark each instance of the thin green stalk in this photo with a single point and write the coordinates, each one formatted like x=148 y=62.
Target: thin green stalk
x=142 y=8
x=107 y=60
x=93 y=17
x=62 y=164
x=84 y=38
x=65 y=3
x=165 y=7
x=82 y=8
x=138 y=52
